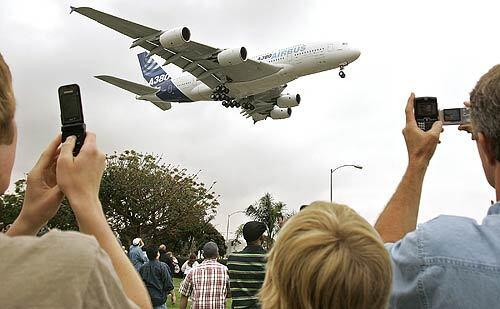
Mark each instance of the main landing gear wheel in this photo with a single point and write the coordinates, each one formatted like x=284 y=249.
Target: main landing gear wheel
x=342 y=74
x=221 y=94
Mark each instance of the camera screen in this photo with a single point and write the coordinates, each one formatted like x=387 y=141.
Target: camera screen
x=427 y=109
x=70 y=107
x=451 y=115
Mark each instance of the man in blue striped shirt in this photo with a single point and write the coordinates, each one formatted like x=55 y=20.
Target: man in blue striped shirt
x=247 y=268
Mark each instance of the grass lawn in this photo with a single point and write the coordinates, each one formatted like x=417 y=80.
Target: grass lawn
x=177 y=283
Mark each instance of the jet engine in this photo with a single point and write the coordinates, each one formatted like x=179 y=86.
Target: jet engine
x=175 y=37
x=232 y=56
x=288 y=100
x=281 y=113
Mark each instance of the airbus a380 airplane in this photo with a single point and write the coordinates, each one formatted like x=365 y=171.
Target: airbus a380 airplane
x=228 y=75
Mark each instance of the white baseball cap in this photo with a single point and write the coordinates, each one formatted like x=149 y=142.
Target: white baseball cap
x=136 y=241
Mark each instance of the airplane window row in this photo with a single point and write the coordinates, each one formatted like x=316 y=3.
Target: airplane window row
x=311 y=51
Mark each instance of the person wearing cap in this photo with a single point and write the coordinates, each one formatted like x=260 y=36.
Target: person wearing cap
x=207 y=284
x=247 y=269
x=136 y=255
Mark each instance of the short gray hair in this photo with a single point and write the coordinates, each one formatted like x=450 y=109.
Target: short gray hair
x=210 y=250
x=485 y=107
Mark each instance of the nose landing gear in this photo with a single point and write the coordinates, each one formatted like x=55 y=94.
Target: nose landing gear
x=341 y=72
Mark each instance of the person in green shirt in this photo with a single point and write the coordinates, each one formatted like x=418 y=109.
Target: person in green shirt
x=247 y=269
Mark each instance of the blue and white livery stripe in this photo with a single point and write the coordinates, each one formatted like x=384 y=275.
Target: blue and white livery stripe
x=151 y=70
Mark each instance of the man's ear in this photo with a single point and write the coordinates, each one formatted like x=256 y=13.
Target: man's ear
x=484 y=142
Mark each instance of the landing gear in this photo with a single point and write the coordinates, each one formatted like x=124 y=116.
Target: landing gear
x=341 y=72
x=220 y=93
x=248 y=106
x=230 y=103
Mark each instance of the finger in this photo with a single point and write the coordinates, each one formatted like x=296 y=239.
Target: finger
x=465 y=127
x=67 y=149
x=437 y=128
x=410 y=114
x=47 y=156
x=90 y=143
x=55 y=197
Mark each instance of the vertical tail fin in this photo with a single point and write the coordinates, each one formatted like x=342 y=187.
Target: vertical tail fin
x=152 y=71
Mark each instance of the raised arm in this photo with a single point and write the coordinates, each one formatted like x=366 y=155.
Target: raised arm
x=43 y=197
x=79 y=178
x=400 y=215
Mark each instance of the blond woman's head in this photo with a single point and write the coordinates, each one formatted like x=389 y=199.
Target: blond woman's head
x=327 y=256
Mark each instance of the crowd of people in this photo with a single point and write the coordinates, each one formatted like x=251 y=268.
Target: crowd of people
x=325 y=256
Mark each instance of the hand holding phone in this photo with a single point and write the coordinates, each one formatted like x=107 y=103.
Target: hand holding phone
x=72 y=115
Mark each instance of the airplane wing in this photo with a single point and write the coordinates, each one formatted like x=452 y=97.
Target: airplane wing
x=198 y=59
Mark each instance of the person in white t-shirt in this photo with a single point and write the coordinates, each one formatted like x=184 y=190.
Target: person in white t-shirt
x=189 y=264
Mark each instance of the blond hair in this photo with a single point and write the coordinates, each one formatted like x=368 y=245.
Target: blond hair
x=7 y=104
x=327 y=256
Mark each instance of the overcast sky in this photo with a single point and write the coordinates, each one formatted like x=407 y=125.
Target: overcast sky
x=434 y=48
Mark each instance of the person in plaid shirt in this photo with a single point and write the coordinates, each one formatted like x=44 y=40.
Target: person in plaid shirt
x=207 y=284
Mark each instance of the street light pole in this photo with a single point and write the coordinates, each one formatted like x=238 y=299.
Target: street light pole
x=331 y=176
x=227 y=226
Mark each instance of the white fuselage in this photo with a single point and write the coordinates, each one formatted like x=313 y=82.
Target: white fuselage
x=295 y=61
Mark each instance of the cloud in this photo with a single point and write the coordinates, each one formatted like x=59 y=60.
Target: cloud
x=405 y=47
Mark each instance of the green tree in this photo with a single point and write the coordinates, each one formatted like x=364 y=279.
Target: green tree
x=10 y=206
x=143 y=197
x=269 y=212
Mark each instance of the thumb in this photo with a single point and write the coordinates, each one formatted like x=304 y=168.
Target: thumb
x=55 y=197
x=67 y=148
x=437 y=128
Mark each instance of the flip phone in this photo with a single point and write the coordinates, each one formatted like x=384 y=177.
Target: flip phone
x=72 y=115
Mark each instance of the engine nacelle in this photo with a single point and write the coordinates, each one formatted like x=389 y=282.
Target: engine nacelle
x=281 y=113
x=288 y=100
x=175 y=37
x=232 y=56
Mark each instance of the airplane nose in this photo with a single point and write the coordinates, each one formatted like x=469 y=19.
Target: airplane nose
x=353 y=54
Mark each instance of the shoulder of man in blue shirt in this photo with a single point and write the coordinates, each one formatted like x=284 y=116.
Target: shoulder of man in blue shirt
x=457 y=237
x=455 y=254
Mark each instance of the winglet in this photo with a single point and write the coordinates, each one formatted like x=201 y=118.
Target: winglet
x=72 y=9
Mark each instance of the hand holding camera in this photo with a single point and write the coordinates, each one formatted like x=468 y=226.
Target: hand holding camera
x=81 y=164
x=421 y=138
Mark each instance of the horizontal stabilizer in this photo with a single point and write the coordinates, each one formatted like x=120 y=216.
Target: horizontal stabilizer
x=127 y=85
x=162 y=105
